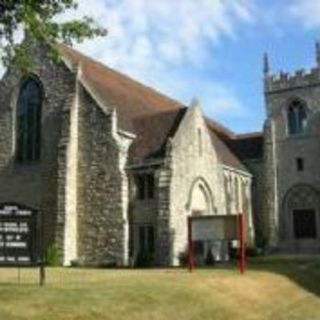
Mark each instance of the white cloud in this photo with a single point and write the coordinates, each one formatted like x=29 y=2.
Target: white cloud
x=216 y=98
x=166 y=44
x=307 y=11
x=221 y=100
x=177 y=31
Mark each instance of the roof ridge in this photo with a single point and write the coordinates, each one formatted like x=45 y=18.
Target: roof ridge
x=254 y=134
x=117 y=73
x=227 y=156
x=219 y=129
x=158 y=113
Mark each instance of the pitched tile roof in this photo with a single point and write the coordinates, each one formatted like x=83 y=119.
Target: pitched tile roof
x=152 y=116
x=248 y=146
x=129 y=97
x=224 y=153
x=221 y=131
x=153 y=132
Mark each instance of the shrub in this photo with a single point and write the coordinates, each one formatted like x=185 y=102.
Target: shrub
x=145 y=259
x=209 y=261
x=251 y=251
x=108 y=264
x=53 y=257
x=233 y=253
x=183 y=258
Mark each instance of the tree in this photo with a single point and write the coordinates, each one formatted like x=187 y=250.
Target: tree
x=37 y=19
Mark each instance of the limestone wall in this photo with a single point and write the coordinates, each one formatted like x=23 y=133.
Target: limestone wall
x=36 y=184
x=238 y=198
x=102 y=188
x=282 y=151
x=195 y=172
x=256 y=168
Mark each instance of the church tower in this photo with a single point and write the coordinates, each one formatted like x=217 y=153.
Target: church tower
x=292 y=159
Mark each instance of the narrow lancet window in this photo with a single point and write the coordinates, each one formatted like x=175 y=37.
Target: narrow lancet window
x=29 y=120
x=297 y=118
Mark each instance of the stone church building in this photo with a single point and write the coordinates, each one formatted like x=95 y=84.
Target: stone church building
x=115 y=168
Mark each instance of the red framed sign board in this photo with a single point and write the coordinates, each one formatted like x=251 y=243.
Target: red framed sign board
x=217 y=227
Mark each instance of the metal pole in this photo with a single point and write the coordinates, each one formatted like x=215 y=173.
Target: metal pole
x=19 y=275
x=42 y=271
x=242 y=247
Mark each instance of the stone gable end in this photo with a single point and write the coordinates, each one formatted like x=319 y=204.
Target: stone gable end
x=194 y=165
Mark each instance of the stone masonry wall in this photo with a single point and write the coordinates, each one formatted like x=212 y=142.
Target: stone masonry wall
x=102 y=224
x=256 y=168
x=286 y=149
x=35 y=184
x=238 y=198
x=194 y=167
x=165 y=232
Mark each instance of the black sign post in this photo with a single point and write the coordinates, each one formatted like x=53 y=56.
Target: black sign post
x=42 y=275
x=21 y=233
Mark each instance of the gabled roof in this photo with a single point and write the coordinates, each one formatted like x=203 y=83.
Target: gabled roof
x=150 y=115
x=248 y=146
x=221 y=131
x=117 y=91
x=225 y=155
x=153 y=132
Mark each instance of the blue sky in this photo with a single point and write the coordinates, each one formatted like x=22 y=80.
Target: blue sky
x=209 y=49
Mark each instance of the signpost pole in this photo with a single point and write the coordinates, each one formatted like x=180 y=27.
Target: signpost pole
x=242 y=247
x=190 y=246
x=42 y=274
x=19 y=275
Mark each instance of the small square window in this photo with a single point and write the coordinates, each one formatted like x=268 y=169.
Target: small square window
x=140 y=183
x=145 y=186
x=300 y=164
x=150 y=186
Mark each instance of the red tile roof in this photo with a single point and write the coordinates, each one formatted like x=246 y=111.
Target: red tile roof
x=225 y=155
x=248 y=146
x=117 y=91
x=152 y=116
x=221 y=131
x=153 y=132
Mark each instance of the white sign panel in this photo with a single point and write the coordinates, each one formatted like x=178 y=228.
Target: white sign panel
x=207 y=229
x=214 y=228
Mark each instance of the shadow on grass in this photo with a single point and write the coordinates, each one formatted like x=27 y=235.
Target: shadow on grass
x=305 y=271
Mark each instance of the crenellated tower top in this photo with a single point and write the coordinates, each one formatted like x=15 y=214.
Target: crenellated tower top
x=285 y=81
x=318 y=53
x=266 y=66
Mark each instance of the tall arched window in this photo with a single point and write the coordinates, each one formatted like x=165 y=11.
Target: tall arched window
x=29 y=120
x=297 y=118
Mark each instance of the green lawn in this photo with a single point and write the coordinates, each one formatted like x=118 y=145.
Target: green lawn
x=272 y=289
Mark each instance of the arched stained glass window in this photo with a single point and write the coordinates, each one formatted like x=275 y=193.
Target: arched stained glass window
x=297 y=118
x=29 y=120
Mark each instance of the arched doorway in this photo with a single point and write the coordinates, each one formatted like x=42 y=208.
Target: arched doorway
x=200 y=200
x=300 y=221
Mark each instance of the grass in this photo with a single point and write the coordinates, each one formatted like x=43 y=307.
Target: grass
x=272 y=289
